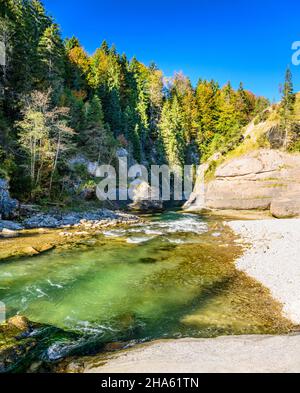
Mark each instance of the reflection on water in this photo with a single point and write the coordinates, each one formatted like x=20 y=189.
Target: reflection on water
x=170 y=277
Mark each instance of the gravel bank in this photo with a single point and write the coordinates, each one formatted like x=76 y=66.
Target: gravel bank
x=274 y=259
x=244 y=354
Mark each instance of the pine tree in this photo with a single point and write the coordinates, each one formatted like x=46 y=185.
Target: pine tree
x=99 y=144
x=71 y=43
x=288 y=98
x=208 y=110
x=106 y=78
x=183 y=90
x=52 y=61
x=140 y=75
x=132 y=132
x=156 y=98
x=172 y=133
x=287 y=106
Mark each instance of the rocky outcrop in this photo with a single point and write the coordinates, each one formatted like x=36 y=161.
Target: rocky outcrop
x=8 y=206
x=260 y=180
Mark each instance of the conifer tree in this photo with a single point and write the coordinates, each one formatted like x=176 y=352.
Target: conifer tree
x=172 y=133
x=208 y=108
x=156 y=98
x=288 y=102
x=99 y=144
x=288 y=98
x=51 y=55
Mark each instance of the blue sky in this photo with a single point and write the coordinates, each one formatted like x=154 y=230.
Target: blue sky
x=236 y=40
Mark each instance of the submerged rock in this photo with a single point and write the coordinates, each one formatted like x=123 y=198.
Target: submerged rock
x=148 y=260
x=9 y=233
x=30 y=251
x=15 y=343
x=19 y=322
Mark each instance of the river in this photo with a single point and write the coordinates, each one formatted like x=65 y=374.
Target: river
x=170 y=277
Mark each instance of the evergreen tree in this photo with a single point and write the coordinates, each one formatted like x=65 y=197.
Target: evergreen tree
x=99 y=144
x=172 y=133
x=208 y=107
x=183 y=90
x=156 y=98
x=52 y=61
x=71 y=43
x=288 y=98
x=287 y=106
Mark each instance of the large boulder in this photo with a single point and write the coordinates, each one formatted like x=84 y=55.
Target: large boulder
x=143 y=197
x=8 y=206
x=260 y=180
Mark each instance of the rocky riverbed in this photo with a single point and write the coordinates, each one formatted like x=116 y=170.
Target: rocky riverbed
x=43 y=231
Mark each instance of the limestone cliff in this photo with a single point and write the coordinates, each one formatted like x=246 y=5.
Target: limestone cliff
x=251 y=178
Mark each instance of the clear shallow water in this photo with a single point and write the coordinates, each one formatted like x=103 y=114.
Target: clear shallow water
x=171 y=277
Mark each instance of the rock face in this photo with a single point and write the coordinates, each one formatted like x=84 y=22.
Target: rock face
x=260 y=180
x=8 y=206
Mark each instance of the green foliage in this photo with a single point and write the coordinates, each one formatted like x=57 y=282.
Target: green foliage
x=98 y=141
x=7 y=164
x=288 y=98
x=51 y=55
x=288 y=124
x=172 y=132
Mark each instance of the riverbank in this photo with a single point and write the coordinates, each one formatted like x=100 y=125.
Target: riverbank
x=273 y=259
x=244 y=354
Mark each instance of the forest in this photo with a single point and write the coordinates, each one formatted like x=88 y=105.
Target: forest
x=58 y=102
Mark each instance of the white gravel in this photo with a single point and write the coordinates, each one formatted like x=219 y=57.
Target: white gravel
x=274 y=259
x=244 y=354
